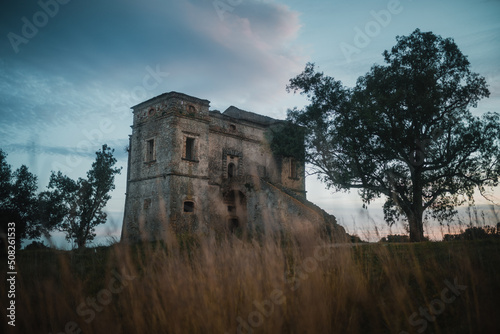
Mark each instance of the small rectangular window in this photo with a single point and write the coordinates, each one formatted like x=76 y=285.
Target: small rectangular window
x=188 y=206
x=189 y=149
x=150 y=150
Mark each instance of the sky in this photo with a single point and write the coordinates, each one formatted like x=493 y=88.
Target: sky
x=70 y=70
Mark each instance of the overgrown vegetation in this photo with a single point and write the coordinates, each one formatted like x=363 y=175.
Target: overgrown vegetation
x=226 y=285
x=287 y=140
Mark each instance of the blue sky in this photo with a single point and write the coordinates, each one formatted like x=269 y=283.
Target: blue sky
x=70 y=70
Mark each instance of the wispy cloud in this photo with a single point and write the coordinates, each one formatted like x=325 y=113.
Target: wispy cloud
x=36 y=149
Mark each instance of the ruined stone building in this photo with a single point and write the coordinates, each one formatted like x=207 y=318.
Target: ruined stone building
x=194 y=169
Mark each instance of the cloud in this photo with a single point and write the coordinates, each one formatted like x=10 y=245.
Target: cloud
x=36 y=149
x=35 y=102
x=256 y=53
x=92 y=53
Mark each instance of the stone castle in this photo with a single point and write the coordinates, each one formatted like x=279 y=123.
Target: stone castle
x=193 y=169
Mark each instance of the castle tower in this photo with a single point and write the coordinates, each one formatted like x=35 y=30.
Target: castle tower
x=192 y=169
x=168 y=164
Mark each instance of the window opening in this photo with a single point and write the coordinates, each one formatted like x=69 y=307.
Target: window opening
x=188 y=206
x=293 y=168
x=150 y=147
x=231 y=170
x=190 y=148
x=233 y=224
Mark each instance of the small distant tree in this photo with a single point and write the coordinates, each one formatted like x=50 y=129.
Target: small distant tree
x=474 y=233
x=76 y=207
x=395 y=238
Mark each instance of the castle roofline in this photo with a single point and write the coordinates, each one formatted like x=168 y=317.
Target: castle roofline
x=248 y=116
x=170 y=95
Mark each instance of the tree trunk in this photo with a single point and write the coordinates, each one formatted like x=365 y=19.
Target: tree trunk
x=415 y=217
x=81 y=243
x=416 y=228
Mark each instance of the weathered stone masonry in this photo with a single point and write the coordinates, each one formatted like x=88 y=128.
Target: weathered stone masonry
x=194 y=169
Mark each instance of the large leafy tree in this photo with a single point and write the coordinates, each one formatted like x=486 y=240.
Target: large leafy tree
x=77 y=206
x=18 y=201
x=404 y=131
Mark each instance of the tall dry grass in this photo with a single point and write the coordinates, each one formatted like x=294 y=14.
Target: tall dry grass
x=295 y=283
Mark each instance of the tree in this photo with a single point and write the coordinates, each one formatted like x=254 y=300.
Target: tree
x=18 y=201
x=77 y=206
x=287 y=140
x=404 y=131
x=5 y=177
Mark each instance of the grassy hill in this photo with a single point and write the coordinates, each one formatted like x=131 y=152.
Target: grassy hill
x=295 y=285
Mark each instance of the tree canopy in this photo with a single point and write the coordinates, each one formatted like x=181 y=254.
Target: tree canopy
x=405 y=131
x=77 y=206
x=74 y=207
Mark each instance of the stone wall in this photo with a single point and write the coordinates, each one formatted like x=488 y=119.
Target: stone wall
x=193 y=170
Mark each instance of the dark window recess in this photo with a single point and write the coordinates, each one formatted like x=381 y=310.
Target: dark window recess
x=233 y=224
x=189 y=148
x=231 y=209
x=150 y=147
x=231 y=168
x=293 y=168
x=229 y=197
x=188 y=206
